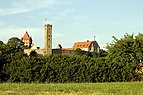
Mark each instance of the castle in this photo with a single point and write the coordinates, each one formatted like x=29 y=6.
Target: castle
x=90 y=46
x=29 y=47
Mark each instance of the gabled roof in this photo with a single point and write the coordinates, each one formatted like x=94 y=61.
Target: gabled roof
x=82 y=45
x=26 y=36
x=67 y=49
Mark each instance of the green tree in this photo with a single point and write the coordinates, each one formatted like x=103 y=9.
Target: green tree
x=125 y=53
x=78 y=51
x=1 y=42
x=15 y=43
x=124 y=50
x=103 y=53
x=2 y=61
x=33 y=53
x=10 y=52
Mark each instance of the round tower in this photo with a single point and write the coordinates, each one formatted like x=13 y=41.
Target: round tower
x=48 y=39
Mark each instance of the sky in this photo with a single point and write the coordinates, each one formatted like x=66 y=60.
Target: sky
x=72 y=20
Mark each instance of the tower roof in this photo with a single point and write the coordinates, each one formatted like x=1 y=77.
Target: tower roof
x=26 y=36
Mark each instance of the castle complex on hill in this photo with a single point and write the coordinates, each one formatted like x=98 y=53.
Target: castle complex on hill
x=29 y=47
x=90 y=46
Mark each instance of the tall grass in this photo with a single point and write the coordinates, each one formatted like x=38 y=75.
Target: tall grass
x=123 y=88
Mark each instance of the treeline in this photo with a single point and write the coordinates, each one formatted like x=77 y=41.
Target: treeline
x=120 y=63
x=64 y=68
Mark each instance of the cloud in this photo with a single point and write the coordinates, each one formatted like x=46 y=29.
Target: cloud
x=34 y=4
x=23 y=6
x=13 y=11
x=67 y=11
x=61 y=14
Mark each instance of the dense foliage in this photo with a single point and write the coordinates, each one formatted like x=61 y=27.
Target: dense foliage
x=119 y=63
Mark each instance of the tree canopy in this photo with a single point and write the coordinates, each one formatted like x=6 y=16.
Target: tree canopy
x=128 y=49
x=15 y=42
x=118 y=63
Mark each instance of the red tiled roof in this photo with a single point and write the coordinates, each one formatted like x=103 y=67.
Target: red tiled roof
x=82 y=45
x=67 y=48
x=26 y=36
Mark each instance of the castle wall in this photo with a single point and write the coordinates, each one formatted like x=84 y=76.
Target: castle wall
x=56 y=51
x=40 y=52
x=27 y=51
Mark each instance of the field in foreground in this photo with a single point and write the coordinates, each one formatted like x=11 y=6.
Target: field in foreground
x=123 y=88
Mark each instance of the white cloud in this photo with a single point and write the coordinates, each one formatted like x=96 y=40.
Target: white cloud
x=22 y=6
x=33 y=4
x=13 y=11
x=67 y=11
x=61 y=14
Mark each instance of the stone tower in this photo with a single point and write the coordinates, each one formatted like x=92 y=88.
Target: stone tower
x=47 y=39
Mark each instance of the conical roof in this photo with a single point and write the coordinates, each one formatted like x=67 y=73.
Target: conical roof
x=26 y=36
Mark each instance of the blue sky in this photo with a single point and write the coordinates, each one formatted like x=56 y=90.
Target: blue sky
x=72 y=20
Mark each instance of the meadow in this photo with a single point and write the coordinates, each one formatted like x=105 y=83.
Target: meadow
x=113 y=88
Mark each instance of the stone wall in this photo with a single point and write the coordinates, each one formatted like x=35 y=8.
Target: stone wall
x=40 y=52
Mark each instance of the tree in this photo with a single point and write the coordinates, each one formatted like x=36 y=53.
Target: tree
x=103 y=53
x=126 y=53
x=2 y=61
x=1 y=43
x=33 y=53
x=78 y=51
x=127 y=49
x=15 y=43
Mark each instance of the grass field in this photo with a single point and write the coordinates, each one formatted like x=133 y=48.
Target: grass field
x=123 y=88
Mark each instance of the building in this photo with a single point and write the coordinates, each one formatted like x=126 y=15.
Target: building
x=90 y=46
x=87 y=46
x=47 y=50
x=27 y=40
x=48 y=39
x=67 y=50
